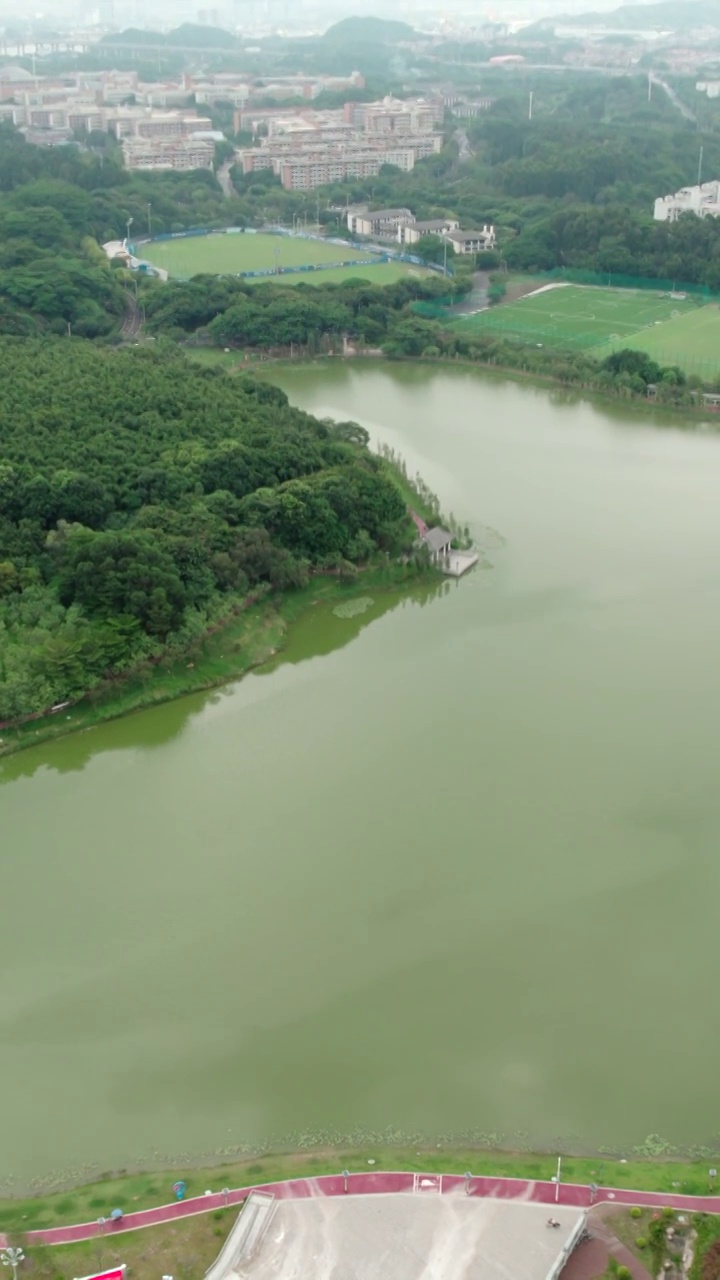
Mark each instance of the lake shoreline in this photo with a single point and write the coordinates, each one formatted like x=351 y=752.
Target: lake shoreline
x=149 y=1187
x=546 y=381
x=262 y=627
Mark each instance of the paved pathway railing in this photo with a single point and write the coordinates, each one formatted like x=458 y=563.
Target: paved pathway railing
x=377 y=1183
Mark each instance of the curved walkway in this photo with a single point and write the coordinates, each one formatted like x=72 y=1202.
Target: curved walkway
x=377 y=1184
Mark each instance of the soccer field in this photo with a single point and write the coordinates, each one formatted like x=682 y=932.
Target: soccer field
x=691 y=341
x=672 y=330
x=231 y=254
x=579 y=318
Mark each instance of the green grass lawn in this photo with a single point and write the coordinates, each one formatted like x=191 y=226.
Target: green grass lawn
x=143 y=1190
x=183 y=1249
x=580 y=318
x=691 y=340
x=230 y=254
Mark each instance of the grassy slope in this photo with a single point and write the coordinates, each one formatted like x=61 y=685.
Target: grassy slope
x=143 y=1190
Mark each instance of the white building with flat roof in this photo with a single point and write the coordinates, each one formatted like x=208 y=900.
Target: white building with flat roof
x=703 y=201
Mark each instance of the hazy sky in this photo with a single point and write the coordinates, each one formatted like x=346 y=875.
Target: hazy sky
x=234 y=13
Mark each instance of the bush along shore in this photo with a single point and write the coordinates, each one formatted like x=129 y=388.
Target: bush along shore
x=218 y=315
x=151 y=533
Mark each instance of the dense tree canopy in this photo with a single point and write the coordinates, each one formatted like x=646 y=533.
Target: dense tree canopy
x=131 y=510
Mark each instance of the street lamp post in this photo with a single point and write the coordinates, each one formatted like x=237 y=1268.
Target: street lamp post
x=557 y=1180
x=149 y=213
x=12 y=1258
x=468 y=1181
x=128 y=225
x=346 y=1175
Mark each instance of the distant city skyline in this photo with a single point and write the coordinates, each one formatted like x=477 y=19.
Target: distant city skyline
x=305 y=14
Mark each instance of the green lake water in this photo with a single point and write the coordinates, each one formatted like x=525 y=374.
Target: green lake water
x=449 y=866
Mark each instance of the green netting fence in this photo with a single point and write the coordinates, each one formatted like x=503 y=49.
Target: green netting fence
x=612 y=280
x=447 y=310
x=435 y=308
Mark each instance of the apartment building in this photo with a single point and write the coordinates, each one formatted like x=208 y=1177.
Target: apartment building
x=703 y=201
x=139 y=122
x=410 y=233
x=401 y=225
x=304 y=173
x=395 y=115
x=378 y=222
x=472 y=241
x=469 y=110
x=207 y=94
x=168 y=153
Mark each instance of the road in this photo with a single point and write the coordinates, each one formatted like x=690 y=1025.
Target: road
x=571 y=1194
x=133 y=319
x=677 y=102
x=223 y=177
x=464 y=148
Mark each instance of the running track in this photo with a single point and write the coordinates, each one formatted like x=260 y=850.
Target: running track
x=376 y=1184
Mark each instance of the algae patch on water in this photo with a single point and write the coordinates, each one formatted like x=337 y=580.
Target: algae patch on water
x=353 y=608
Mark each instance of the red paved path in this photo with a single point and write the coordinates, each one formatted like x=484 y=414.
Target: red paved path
x=374 y=1184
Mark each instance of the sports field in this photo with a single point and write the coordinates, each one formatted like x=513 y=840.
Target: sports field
x=672 y=329
x=691 y=340
x=231 y=254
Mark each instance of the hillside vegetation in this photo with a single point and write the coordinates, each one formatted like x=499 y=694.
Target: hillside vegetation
x=136 y=512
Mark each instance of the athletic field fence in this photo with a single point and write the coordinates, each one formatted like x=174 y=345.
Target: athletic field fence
x=674 y=325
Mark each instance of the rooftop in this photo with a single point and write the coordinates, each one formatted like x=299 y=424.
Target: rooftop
x=433 y=224
x=411 y=1237
x=462 y=236
x=437 y=538
x=379 y=214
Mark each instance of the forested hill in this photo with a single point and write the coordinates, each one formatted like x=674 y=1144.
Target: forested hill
x=136 y=512
x=669 y=15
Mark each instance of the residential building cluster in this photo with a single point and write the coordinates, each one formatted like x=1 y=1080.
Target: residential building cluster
x=702 y=200
x=54 y=111
x=241 y=90
x=160 y=124
x=310 y=148
x=402 y=226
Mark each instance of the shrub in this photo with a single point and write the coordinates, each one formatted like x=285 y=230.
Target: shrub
x=218 y=1232
x=624 y=1273
x=641 y=1242
x=636 y=1213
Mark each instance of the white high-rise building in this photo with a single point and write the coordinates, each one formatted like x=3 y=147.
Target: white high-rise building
x=703 y=201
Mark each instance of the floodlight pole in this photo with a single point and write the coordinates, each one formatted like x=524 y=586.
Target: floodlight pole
x=12 y=1258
